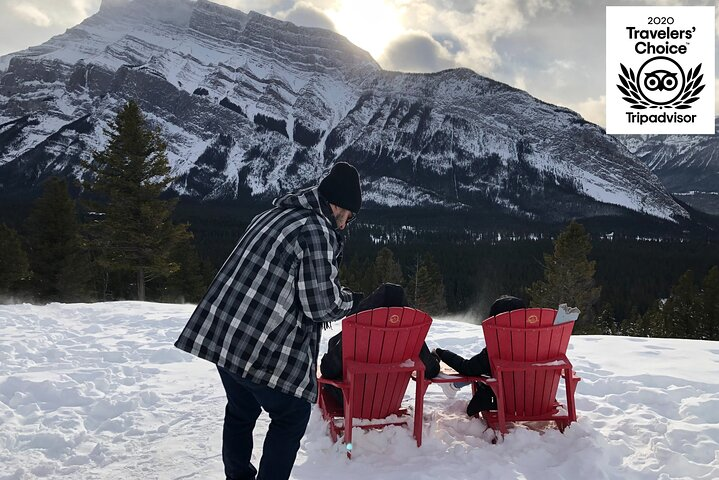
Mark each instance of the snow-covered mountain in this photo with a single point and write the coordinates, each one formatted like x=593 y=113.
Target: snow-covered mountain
x=251 y=106
x=684 y=163
x=687 y=165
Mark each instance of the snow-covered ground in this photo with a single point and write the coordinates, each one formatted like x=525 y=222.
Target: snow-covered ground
x=99 y=392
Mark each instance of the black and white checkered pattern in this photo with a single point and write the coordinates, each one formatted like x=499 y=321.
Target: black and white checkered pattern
x=262 y=315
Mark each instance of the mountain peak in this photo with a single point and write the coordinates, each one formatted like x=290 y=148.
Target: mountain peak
x=176 y=12
x=113 y=4
x=252 y=106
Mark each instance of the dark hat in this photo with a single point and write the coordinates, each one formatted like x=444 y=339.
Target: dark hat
x=506 y=303
x=342 y=187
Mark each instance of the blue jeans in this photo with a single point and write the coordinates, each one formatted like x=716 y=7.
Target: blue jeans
x=288 y=421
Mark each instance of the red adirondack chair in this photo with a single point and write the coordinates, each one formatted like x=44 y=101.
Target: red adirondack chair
x=380 y=350
x=527 y=353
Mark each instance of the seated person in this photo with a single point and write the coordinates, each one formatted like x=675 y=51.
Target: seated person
x=387 y=295
x=478 y=365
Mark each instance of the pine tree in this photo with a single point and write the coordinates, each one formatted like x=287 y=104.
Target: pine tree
x=386 y=268
x=61 y=269
x=426 y=288
x=654 y=320
x=709 y=325
x=358 y=276
x=132 y=230
x=631 y=325
x=644 y=322
x=682 y=310
x=15 y=265
x=569 y=275
x=190 y=281
x=606 y=323
x=346 y=277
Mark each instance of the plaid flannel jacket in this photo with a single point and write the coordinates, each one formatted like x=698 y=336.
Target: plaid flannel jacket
x=262 y=315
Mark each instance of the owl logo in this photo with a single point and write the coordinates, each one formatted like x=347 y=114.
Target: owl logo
x=660 y=83
x=661 y=80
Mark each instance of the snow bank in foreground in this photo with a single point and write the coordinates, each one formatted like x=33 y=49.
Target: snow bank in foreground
x=99 y=392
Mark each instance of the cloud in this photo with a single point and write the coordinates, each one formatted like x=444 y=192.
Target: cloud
x=558 y=55
x=256 y=5
x=416 y=52
x=307 y=15
x=553 y=49
x=32 y=14
x=592 y=109
x=32 y=22
x=475 y=26
x=85 y=8
x=533 y=7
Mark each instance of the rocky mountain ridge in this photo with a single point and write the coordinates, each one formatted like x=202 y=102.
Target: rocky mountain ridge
x=252 y=106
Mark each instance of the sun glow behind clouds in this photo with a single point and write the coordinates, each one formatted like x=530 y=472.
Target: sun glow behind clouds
x=369 y=24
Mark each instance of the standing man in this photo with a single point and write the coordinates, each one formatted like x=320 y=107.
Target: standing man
x=261 y=319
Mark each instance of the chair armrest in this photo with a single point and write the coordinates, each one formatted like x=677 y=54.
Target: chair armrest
x=360 y=367
x=335 y=383
x=558 y=363
x=456 y=378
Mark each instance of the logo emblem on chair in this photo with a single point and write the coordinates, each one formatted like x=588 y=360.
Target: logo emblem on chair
x=394 y=319
x=532 y=319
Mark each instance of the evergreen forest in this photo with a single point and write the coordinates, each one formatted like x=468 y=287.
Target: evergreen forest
x=119 y=235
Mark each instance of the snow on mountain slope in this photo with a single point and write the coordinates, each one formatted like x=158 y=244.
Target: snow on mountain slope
x=252 y=106
x=684 y=163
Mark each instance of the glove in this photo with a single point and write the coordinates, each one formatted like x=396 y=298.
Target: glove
x=356 y=299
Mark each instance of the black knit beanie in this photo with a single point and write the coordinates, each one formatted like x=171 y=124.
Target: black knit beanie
x=342 y=187
x=506 y=303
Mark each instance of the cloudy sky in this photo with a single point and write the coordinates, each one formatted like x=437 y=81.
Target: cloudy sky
x=554 y=49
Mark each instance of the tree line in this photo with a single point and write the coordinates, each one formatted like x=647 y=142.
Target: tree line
x=566 y=275
x=119 y=242
x=690 y=311
x=424 y=286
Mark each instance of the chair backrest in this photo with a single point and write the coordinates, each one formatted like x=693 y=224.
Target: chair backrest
x=382 y=336
x=527 y=335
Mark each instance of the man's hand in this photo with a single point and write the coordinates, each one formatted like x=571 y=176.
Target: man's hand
x=356 y=299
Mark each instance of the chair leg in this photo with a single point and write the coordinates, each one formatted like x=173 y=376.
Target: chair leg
x=501 y=414
x=570 y=387
x=561 y=425
x=333 y=430
x=348 y=430
x=425 y=387
x=419 y=409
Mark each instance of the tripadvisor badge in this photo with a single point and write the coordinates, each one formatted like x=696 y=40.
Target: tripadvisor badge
x=658 y=75
x=658 y=84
